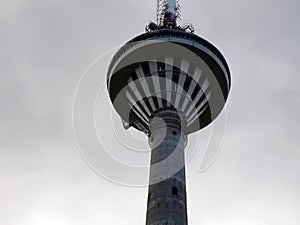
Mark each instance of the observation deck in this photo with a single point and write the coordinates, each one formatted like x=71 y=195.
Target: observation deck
x=168 y=69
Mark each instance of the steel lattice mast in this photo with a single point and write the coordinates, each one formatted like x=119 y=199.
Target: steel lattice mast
x=167 y=13
x=168 y=83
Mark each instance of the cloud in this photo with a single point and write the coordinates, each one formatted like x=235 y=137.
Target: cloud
x=47 y=45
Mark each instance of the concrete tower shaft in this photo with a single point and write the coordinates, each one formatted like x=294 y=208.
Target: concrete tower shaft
x=167 y=190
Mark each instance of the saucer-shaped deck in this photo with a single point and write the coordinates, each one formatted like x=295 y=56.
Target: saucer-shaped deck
x=168 y=69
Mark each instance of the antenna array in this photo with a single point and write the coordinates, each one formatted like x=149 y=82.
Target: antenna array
x=163 y=6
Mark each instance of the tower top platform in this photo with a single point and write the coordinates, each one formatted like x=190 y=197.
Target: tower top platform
x=168 y=69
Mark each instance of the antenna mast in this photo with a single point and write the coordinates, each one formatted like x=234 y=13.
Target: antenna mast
x=167 y=13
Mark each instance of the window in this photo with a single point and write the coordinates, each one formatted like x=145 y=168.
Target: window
x=174 y=191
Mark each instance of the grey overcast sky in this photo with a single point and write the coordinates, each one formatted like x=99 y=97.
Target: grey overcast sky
x=46 y=45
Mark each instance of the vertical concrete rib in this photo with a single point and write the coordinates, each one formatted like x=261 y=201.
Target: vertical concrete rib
x=144 y=85
x=169 y=72
x=155 y=80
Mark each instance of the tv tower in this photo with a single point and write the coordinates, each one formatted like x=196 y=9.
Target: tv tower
x=168 y=83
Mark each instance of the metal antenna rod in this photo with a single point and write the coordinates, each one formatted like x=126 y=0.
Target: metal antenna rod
x=171 y=7
x=167 y=13
x=170 y=14
x=157 y=12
